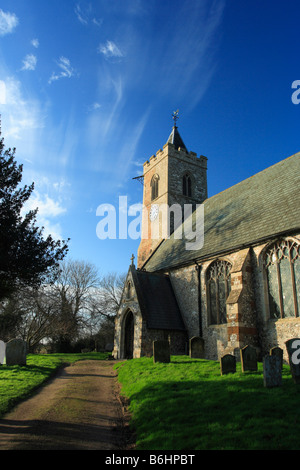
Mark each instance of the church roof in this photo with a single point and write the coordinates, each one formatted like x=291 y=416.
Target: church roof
x=261 y=207
x=175 y=138
x=157 y=300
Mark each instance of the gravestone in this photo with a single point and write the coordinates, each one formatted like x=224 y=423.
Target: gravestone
x=248 y=358
x=276 y=351
x=228 y=364
x=2 y=351
x=161 y=351
x=16 y=352
x=272 y=367
x=293 y=350
x=196 y=347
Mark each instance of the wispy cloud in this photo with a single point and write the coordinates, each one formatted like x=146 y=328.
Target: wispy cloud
x=23 y=114
x=109 y=50
x=48 y=211
x=50 y=198
x=195 y=53
x=183 y=68
x=85 y=16
x=35 y=43
x=66 y=70
x=29 y=62
x=94 y=106
x=8 y=22
x=97 y=21
x=47 y=206
x=128 y=152
x=81 y=16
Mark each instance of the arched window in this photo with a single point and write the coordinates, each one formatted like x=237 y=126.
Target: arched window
x=154 y=187
x=187 y=185
x=218 y=288
x=129 y=336
x=282 y=265
x=129 y=291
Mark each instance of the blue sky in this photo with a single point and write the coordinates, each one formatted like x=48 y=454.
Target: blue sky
x=87 y=90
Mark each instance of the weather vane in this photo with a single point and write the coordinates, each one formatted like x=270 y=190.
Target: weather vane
x=175 y=116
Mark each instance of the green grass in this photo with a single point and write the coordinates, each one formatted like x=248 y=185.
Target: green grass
x=188 y=405
x=20 y=382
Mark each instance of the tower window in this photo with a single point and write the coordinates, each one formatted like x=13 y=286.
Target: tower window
x=154 y=187
x=187 y=185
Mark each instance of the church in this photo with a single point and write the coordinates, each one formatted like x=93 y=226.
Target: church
x=240 y=285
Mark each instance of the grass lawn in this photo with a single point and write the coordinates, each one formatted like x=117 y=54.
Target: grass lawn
x=19 y=382
x=188 y=405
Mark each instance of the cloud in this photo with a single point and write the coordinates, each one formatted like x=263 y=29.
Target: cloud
x=35 y=43
x=22 y=114
x=81 y=16
x=97 y=22
x=195 y=54
x=47 y=206
x=110 y=49
x=85 y=16
x=29 y=63
x=66 y=70
x=94 y=106
x=2 y=92
x=128 y=152
x=8 y=22
x=50 y=206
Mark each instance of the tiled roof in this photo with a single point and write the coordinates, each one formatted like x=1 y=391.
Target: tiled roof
x=260 y=207
x=157 y=300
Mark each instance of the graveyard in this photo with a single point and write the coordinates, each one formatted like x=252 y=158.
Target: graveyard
x=183 y=402
x=187 y=404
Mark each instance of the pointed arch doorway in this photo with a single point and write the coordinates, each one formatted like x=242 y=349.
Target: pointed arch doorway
x=129 y=335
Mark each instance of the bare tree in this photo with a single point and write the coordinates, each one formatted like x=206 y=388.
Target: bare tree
x=103 y=306
x=79 y=304
x=105 y=301
x=75 y=283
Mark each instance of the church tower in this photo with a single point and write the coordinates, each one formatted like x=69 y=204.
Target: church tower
x=174 y=176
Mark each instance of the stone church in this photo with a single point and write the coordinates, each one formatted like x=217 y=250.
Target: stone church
x=240 y=287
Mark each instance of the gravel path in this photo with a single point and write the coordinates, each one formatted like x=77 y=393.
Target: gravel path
x=79 y=408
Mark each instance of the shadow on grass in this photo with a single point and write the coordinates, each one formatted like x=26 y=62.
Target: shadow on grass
x=232 y=412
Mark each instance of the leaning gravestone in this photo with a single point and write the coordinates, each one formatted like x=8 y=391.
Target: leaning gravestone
x=249 y=358
x=276 y=351
x=272 y=367
x=16 y=352
x=228 y=364
x=196 y=347
x=293 y=350
x=2 y=351
x=161 y=351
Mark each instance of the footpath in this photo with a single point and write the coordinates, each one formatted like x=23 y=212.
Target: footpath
x=79 y=409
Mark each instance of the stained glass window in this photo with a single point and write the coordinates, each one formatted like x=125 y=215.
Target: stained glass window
x=282 y=264
x=218 y=283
